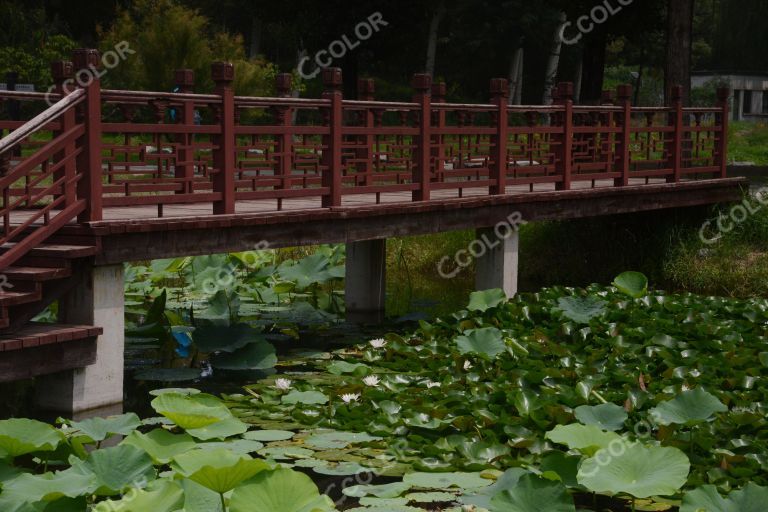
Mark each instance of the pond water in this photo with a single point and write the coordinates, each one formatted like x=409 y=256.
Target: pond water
x=546 y=402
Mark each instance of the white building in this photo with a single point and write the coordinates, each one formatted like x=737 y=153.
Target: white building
x=749 y=93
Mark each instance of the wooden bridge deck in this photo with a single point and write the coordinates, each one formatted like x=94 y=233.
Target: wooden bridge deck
x=133 y=233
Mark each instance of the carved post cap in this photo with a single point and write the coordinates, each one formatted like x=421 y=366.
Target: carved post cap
x=565 y=90
x=624 y=92
x=283 y=84
x=332 y=79
x=422 y=82
x=223 y=73
x=499 y=87
x=84 y=58
x=61 y=70
x=184 y=79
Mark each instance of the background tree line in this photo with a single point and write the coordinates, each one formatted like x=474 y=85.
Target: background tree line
x=650 y=43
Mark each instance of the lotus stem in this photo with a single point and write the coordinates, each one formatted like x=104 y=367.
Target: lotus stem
x=223 y=503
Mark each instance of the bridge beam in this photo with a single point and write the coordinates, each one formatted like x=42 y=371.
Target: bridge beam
x=365 y=282
x=496 y=264
x=97 y=300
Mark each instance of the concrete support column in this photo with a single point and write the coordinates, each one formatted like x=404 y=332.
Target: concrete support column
x=98 y=300
x=365 y=283
x=497 y=266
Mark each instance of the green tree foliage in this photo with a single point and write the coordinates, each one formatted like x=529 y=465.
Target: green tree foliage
x=166 y=36
x=28 y=44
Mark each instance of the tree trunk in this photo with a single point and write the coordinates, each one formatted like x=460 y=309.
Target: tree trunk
x=577 y=81
x=554 y=61
x=255 y=43
x=516 y=77
x=679 y=42
x=593 y=67
x=434 y=29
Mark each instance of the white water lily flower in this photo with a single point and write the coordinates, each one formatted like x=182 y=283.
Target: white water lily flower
x=378 y=343
x=431 y=384
x=283 y=384
x=371 y=380
x=350 y=397
x=467 y=365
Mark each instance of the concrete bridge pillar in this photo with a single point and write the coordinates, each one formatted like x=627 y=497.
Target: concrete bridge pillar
x=365 y=280
x=98 y=300
x=496 y=266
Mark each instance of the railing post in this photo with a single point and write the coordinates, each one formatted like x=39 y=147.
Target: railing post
x=185 y=166
x=723 y=98
x=564 y=97
x=332 y=142
x=675 y=157
x=86 y=63
x=223 y=74
x=422 y=83
x=284 y=143
x=62 y=72
x=366 y=89
x=500 y=98
x=439 y=91
x=623 y=156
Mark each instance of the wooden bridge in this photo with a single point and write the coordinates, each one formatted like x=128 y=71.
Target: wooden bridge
x=99 y=177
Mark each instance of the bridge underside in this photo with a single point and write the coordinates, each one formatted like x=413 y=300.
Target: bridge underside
x=128 y=234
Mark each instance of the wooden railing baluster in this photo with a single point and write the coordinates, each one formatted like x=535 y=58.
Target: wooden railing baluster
x=422 y=83
x=623 y=160
x=86 y=64
x=723 y=97
x=332 y=142
x=224 y=152
x=500 y=98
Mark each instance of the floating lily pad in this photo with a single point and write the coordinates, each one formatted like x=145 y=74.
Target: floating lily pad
x=281 y=490
x=487 y=342
x=638 y=470
x=268 y=435
x=605 y=416
x=305 y=397
x=588 y=439
x=446 y=480
x=329 y=440
x=688 y=408
x=581 y=309
x=19 y=436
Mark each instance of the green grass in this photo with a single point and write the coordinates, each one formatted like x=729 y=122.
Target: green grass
x=663 y=245
x=748 y=142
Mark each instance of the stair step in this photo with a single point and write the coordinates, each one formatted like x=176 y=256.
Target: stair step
x=35 y=334
x=36 y=261
x=60 y=251
x=9 y=298
x=36 y=273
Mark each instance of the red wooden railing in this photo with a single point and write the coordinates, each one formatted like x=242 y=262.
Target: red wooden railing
x=129 y=148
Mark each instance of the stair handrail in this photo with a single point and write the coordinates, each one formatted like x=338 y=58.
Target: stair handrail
x=41 y=120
